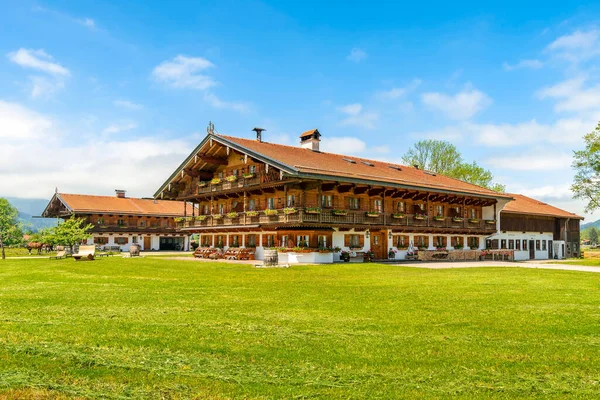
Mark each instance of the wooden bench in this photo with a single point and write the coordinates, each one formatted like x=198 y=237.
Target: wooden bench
x=359 y=256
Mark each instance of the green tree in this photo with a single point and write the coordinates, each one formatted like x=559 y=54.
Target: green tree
x=586 y=162
x=10 y=229
x=593 y=235
x=68 y=233
x=444 y=158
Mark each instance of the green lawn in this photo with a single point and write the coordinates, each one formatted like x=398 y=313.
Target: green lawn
x=22 y=252
x=158 y=328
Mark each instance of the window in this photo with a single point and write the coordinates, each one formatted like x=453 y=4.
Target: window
x=100 y=221
x=326 y=201
x=525 y=244
x=518 y=244
x=401 y=242
x=252 y=205
x=421 y=208
x=302 y=241
x=376 y=240
x=457 y=241
x=121 y=222
x=322 y=241
x=271 y=203
x=291 y=200
x=473 y=213
x=400 y=207
x=235 y=172
x=377 y=205
x=474 y=242
x=142 y=223
x=220 y=242
x=206 y=209
x=252 y=169
x=221 y=208
x=251 y=241
x=422 y=241
x=354 y=203
x=439 y=210
x=235 y=242
x=270 y=241
x=544 y=245
x=284 y=241
x=100 y=240
x=511 y=244
x=503 y=244
x=121 y=240
x=537 y=244
x=134 y=239
x=439 y=241
x=354 y=240
x=221 y=175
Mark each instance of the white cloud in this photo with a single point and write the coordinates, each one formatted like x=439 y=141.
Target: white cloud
x=213 y=100
x=577 y=46
x=46 y=145
x=572 y=95
x=42 y=87
x=462 y=105
x=120 y=127
x=87 y=22
x=356 y=116
x=357 y=55
x=184 y=73
x=398 y=92
x=37 y=59
x=351 y=109
x=542 y=161
x=127 y=104
x=523 y=64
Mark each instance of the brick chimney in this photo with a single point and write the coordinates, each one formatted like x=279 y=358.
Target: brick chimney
x=310 y=140
x=120 y=193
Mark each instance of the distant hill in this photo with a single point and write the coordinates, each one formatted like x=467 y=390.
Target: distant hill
x=595 y=224
x=29 y=208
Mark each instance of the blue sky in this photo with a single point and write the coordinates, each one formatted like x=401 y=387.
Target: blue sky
x=96 y=95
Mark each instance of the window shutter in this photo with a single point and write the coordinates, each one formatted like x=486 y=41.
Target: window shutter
x=361 y=241
x=347 y=240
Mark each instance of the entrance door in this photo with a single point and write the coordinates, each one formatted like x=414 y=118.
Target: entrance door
x=550 y=250
x=147 y=243
x=378 y=245
x=532 y=249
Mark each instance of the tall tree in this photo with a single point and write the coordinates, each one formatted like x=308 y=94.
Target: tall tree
x=69 y=233
x=10 y=229
x=593 y=235
x=586 y=162
x=444 y=158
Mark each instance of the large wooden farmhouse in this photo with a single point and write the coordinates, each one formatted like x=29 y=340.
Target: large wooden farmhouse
x=536 y=230
x=256 y=194
x=122 y=221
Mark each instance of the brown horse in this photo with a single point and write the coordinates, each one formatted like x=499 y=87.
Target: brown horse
x=37 y=246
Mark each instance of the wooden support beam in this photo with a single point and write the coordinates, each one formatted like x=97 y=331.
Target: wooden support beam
x=375 y=191
x=344 y=188
x=213 y=160
x=399 y=195
x=326 y=187
x=361 y=190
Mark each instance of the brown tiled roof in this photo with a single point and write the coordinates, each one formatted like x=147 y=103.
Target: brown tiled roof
x=335 y=165
x=308 y=133
x=83 y=203
x=527 y=205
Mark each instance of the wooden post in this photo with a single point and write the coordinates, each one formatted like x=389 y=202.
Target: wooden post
x=427 y=209
x=184 y=209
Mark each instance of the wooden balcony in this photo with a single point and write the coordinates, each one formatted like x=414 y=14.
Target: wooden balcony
x=350 y=219
x=240 y=183
x=132 y=228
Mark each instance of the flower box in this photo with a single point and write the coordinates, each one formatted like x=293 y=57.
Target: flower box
x=216 y=181
x=248 y=175
x=312 y=210
x=231 y=178
x=473 y=221
x=178 y=219
x=340 y=212
x=398 y=215
x=252 y=213
x=372 y=214
x=217 y=216
x=232 y=214
x=290 y=210
x=202 y=184
x=457 y=219
x=200 y=217
x=189 y=218
x=490 y=221
x=438 y=218
x=420 y=217
x=271 y=212
x=355 y=248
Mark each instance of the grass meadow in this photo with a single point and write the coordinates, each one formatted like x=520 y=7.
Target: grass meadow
x=176 y=329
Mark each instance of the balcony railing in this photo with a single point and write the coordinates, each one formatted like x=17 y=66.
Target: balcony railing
x=240 y=182
x=330 y=217
x=132 y=228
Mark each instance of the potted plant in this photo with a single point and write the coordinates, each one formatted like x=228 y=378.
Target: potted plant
x=440 y=248
x=392 y=254
x=369 y=255
x=202 y=184
x=178 y=219
x=270 y=212
x=473 y=221
x=217 y=216
x=232 y=214
x=420 y=216
x=398 y=215
x=372 y=214
x=458 y=247
x=345 y=256
x=252 y=213
x=457 y=219
x=422 y=248
x=231 y=178
x=355 y=248
x=215 y=181
x=200 y=217
x=438 y=218
x=189 y=219
x=248 y=175
x=339 y=212
x=312 y=210
x=290 y=210
x=490 y=221
x=473 y=247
